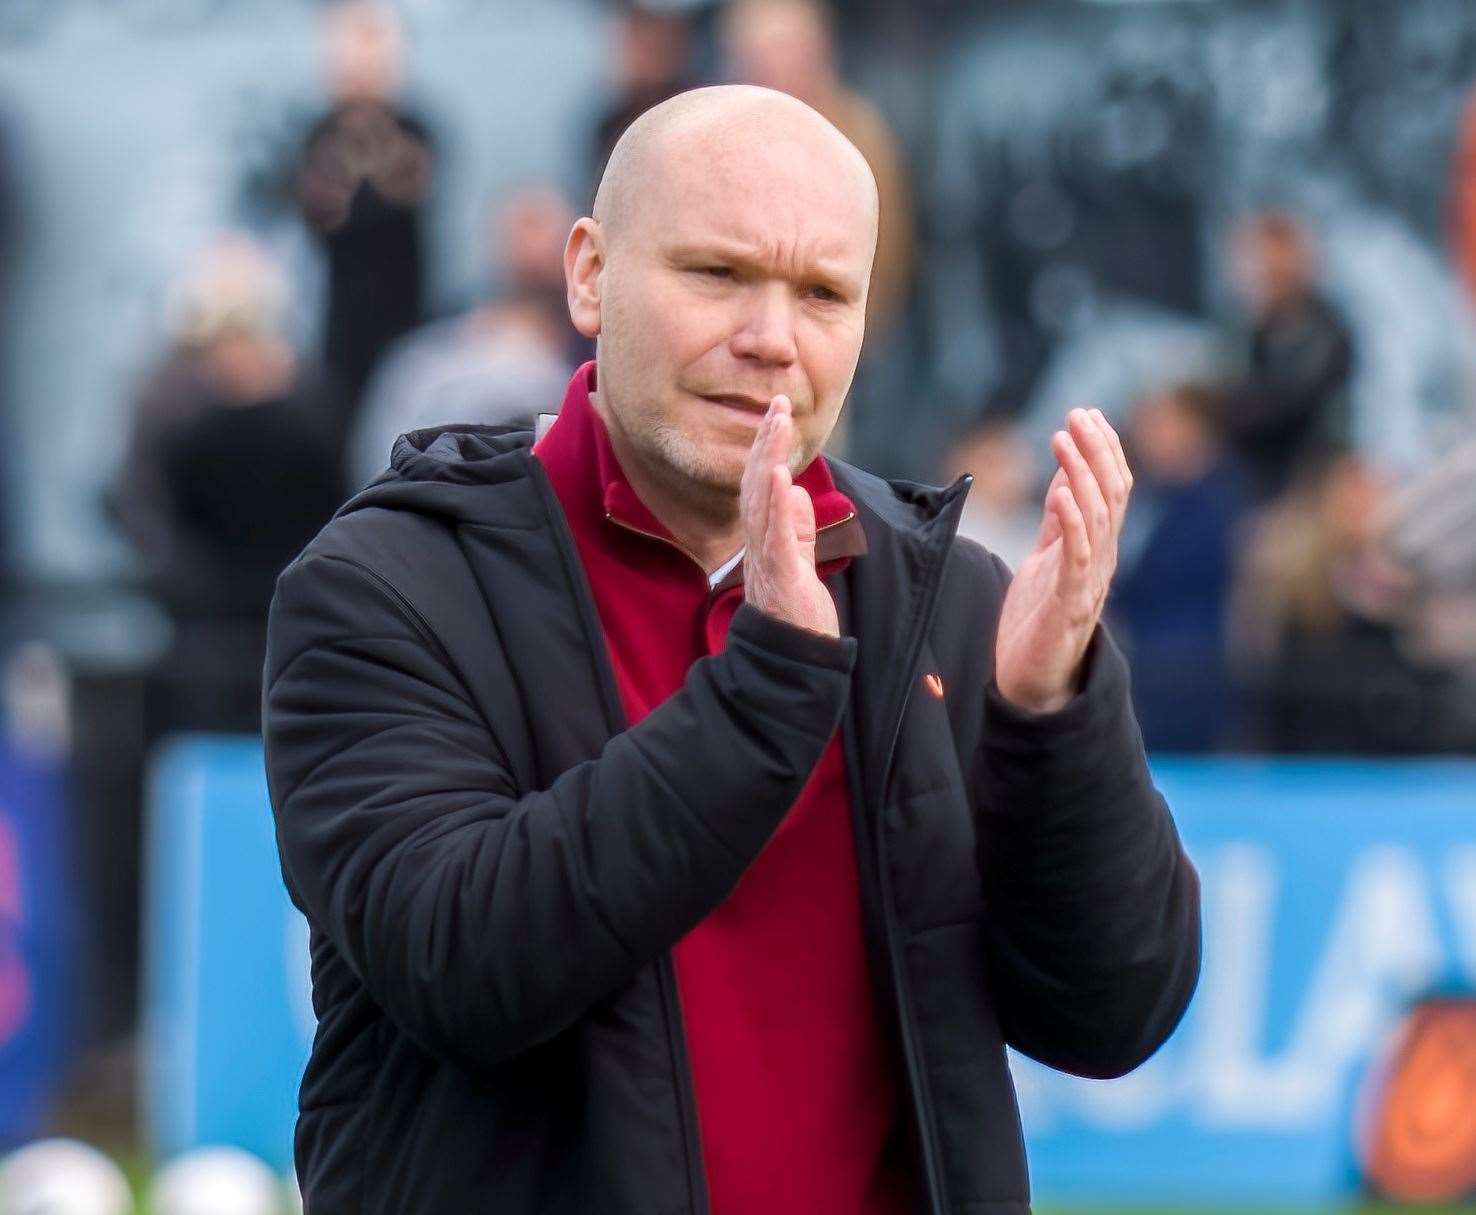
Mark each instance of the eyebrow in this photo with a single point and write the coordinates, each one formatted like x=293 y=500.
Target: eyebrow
x=752 y=258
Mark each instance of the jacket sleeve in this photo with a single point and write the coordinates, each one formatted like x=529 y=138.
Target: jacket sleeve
x=483 y=919
x=1092 y=905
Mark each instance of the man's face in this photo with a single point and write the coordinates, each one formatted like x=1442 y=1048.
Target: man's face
x=1273 y=268
x=742 y=275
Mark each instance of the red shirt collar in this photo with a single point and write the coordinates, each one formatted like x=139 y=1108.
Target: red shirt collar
x=587 y=477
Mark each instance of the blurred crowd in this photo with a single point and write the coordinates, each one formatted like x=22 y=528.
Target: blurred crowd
x=1199 y=222
x=1281 y=587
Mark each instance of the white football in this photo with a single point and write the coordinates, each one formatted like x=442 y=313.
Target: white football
x=215 y=1181
x=62 y=1177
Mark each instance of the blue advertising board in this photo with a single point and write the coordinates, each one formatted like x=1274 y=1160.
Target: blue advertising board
x=1334 y=894
x=37 y=939
x=228 y=1018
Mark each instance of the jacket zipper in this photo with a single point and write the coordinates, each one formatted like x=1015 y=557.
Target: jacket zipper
x=665 y=969
x=911 y=1051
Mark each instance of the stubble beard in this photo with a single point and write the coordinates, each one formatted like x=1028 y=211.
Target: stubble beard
x=718 y=472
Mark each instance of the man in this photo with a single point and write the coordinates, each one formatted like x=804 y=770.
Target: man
x=1290 y=411
x=685 y=823
x=363 y=188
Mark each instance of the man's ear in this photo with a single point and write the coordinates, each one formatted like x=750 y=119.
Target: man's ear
x=584 y=261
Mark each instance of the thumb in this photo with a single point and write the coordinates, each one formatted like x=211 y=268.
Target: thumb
x=791 y=532
x=802 y=519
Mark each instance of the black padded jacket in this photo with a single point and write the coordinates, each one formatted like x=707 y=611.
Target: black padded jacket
x=495 y=868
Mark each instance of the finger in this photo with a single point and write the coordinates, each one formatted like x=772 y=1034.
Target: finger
x=776 y=456
x=1119 y=457
x=1084 y=488
x=779 y=538
x=780 y=416
x=783 y=435
x=1092 y=442
x=1050 y=529
x=1076 y=545
x=753 y=500
x=1050 y=526
x=1115 y=441
x=801 y=512
x=798 y=525
x=746 y=484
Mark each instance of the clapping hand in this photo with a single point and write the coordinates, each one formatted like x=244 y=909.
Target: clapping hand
x=779 y=528
x=1056 y=599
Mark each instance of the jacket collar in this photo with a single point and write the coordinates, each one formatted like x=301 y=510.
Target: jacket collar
x=478 y=475
x=890 y=601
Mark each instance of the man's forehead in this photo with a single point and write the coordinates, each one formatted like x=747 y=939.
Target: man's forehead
x=770 y=166
x=828 y=248
x=760 y=203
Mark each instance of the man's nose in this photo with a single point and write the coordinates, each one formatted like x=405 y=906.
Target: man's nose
x=766 y=333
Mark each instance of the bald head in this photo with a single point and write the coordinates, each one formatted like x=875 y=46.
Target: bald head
x=728 y=261
x=737 y=130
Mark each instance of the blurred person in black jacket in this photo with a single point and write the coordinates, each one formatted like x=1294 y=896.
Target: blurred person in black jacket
x=230 y=469
x=1291 y=406
x=363 y=186
x=227 y=352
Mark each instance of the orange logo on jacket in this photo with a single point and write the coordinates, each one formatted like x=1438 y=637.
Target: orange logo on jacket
x=934 y=683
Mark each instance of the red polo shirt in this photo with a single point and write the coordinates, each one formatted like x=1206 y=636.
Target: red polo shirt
x=795 y=1088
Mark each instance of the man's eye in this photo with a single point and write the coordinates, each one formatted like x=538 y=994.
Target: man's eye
x=722 y=272
x=824 y=294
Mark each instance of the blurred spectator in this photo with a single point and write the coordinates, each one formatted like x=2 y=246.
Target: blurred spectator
x=1433 y=522
x=1002 y=512
x=1171 y=596
x=229 y=376
x=1462 y=213
x=501 y=363
x=362 y=187
x=1321 y=614
x=789 y=45
x=1432 y=532
x=528 y=236
x=1291 y=407
x=247 y=485
x=652 y=53
x=1073 y=165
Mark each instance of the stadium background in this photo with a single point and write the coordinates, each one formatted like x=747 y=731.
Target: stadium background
x=243 y=242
